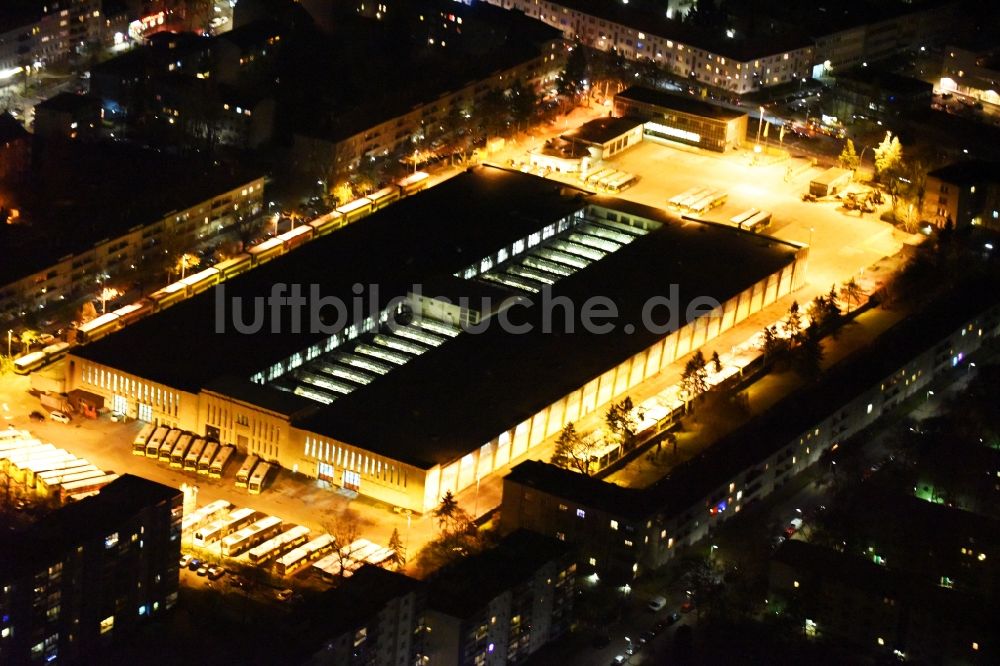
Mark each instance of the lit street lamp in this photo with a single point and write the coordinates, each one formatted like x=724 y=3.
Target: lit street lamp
x=929 y=394
x=10 y=332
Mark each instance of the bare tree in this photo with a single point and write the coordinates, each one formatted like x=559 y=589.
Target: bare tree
x=345 y=528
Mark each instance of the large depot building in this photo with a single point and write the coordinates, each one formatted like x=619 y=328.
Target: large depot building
x=403 y=412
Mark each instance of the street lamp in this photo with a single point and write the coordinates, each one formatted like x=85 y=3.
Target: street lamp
x=929 y=394
x=10 y=332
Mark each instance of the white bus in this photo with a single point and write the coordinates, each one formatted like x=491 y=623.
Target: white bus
x=204 y=515
x=758 y=222
x=243 y=476
x=218 y=466
x=250 y=536
x=154 y=443
x=677 y=199
x=139 y=443
x=258 y=478
x=211 y=532
x=29 y=363
x=315 y=549
x=180 y=450
x=238 y=520
x=277 y=545
x=168 y=445
x=194 y=455
x=205 y=461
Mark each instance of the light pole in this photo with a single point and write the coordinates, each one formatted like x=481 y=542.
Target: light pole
x=10 y=332
x=929 y=394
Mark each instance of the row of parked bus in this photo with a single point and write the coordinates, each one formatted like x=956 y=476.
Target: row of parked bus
x=38 y=359
x=254 y=256
x=609 y=180
x=47 y=471
x=182 y=450
x=752 y=219
x=253 y=474
x=698 y=199
x=350 y=558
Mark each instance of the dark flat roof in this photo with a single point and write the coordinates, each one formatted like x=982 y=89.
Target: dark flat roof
x=968 y=172
x=67 y=102
x=883 y=82
x=602 y=130
x=682 y=103
x=356 y=601
x=650 y=16
x=470 y=584
x=438 y=231
x=476 y=386
x=78 y=522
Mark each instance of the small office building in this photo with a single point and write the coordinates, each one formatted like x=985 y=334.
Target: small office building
x=683 y=119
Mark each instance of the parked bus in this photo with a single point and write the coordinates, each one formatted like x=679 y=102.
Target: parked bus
x=234 y=266
x=174 y=292
x=258 y=478
x=204 y=515
x=211 y=532
x=205 y=461
x=243 y=476
x=384 y=197
x=238 y=520
x=139 y=443
x=250 y=536
x=744 y=216
x=314 y=550
x=218 y=466
x=133 y=311
x=267 y=250
x=29 y=363
x=180 y=450
x=326 y=223
x=623 y=181
x=355 y=210
x=98 y=327
x=277 y=545
x=154 y=443
x=380 y=557
x=194 y=455
x=413 y=183
x=83 y=487
x=295 y=237
x=758 y=222
x=168 y=445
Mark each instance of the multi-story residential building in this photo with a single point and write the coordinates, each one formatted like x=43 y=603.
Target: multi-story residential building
x=962 y=194
x=68 y=116
x=128 y=207
x=621 y=530
x=640 y=30
x=503 y=605
x=83 y=576
x=374 y=618
x=973 y=72
x=882 y=608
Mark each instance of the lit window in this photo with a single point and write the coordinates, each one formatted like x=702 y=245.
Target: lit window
x=107 y=624
x=111 y=540
x=592 y=561
x=580 y=513
x=795 y=583
x=614 y=524
x=869 y=408
x=975 y=645
x=881 y=641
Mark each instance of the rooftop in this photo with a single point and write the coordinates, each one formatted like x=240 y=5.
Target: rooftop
x=81 y=521
x=968 y=172
x=682 y=103
x=514 y=561
x=357 y=600
x=11 y=129
x=649 y=16
x=883 y=82
x=79 y=194
x=827 y=17
x=601 y=130
x=67 y=102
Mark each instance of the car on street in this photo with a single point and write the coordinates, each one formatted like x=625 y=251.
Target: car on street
x=193 y=564
x=203 y=570
x=185 y=560
x=284 y=595
x=656 y=604
x=59 y=417
x=646 y=637
x=216 y=572
x=687 y=606
x=619 y=659
x=36 y=416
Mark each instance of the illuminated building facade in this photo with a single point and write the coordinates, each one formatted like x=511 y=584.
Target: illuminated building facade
x=360 y=409
x=93 y=571
x=683 y=119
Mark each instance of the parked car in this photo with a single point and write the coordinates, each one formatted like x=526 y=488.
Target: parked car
x=216 y=572
x=687 y=606
x=36 y=416
x=646 y=637
x=203 y=569
x=656 y=604
x=59 y=417
x=194 y=564
x=673 y=618
x=185 y=560
x=284 y=595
